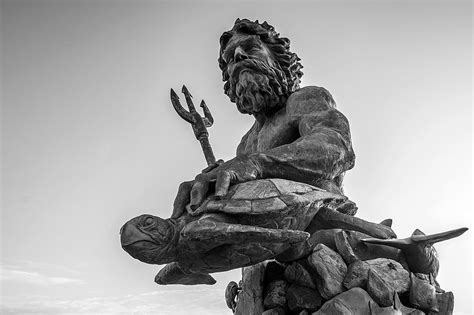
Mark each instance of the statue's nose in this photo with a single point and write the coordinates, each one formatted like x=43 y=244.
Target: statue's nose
x=130 y=234
x=240 y=54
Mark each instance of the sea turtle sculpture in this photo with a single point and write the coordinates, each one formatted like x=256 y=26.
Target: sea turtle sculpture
x=255 y=221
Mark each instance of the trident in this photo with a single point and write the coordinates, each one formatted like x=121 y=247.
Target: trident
x=199 y=124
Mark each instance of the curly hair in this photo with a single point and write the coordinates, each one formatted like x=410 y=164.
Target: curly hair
x=279 y=47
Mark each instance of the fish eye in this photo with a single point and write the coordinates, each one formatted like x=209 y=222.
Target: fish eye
x=149 y=221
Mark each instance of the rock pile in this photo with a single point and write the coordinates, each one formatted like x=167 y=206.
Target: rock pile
x=341 y=274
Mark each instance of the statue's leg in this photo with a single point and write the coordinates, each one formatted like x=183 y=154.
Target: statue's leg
x=331 y=219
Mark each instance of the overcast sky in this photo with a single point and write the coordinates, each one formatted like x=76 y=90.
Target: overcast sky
x=90 y=140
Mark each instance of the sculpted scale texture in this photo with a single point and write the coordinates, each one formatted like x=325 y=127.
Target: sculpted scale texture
x=281 y=198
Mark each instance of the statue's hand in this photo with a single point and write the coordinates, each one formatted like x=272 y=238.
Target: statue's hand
x=237 y=170
x=183 y=197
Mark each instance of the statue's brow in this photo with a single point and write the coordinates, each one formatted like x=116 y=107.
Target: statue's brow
x=246 y=42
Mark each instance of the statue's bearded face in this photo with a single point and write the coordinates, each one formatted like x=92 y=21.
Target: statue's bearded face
x=254 y=75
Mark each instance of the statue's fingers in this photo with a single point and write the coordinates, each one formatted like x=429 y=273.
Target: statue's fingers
x=198 y=192
x=209 y=168
x=222 y=183
x=182 y=199
x=213 y=166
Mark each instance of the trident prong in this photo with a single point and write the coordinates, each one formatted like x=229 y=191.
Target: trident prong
x=208 y=119
x=189 y=99
x=198 y=123
x=179 y=109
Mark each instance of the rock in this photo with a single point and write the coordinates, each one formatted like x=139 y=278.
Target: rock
x=357 y=275
x=297 y=274
x=303 y=312
x=326 y=237
x=275 y=311
x=274 y=271
x=387 y=276
x=379 y=290
x=300 y=298
x=445 y=303
x=330 y=269
x=295 y=252
x=366 y=251
x=276 y=294
x=392 y=272
x=344 y=248
x=397 y=309
x=431 y=279
x=250 y=298
x=303 y=249
x=355 y=301
x=423 y=294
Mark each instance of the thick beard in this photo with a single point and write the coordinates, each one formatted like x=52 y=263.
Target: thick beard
x=255 y=87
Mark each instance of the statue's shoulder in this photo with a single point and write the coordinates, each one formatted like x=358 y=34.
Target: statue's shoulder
x=309 y=99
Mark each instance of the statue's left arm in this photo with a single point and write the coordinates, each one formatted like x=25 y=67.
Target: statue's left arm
x=322 y=152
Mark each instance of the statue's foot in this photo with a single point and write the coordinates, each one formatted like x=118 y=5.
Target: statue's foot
x=173 y=274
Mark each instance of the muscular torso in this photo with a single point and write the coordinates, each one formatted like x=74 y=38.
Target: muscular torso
x=307 y=136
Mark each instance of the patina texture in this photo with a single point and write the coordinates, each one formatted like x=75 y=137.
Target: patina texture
x=281 y=199
x=254 y=222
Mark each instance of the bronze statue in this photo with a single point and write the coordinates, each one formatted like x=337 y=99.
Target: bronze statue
x=298 y=133
x=281 y=195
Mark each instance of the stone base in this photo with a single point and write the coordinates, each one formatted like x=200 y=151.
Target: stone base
x=328 y=281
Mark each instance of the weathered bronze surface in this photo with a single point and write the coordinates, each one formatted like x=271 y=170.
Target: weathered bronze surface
x=281 y=198
x=298 y=133
x=420 y=254
x=255 y=221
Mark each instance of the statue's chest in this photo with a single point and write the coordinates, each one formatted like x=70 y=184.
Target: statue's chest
x=274 y=133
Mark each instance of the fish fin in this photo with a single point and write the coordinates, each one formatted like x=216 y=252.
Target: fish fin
x=419 y=237
x=394 y=242
x=173 y=274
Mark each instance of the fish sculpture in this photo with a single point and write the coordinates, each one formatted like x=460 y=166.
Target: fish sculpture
x=418 y=249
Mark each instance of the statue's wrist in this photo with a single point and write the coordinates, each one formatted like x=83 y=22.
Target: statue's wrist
x=257 y=163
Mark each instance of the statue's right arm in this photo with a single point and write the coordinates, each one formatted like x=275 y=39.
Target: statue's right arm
x=322 y=151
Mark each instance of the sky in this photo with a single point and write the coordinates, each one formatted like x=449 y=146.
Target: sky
x=90 y=140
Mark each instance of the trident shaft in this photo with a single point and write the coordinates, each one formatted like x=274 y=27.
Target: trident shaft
x=199 y=124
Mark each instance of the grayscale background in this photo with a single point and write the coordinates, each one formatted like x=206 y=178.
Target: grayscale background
x=90 y=140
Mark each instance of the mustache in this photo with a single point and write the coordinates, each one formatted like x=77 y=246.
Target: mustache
x=237 y=70
x=255 y=65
